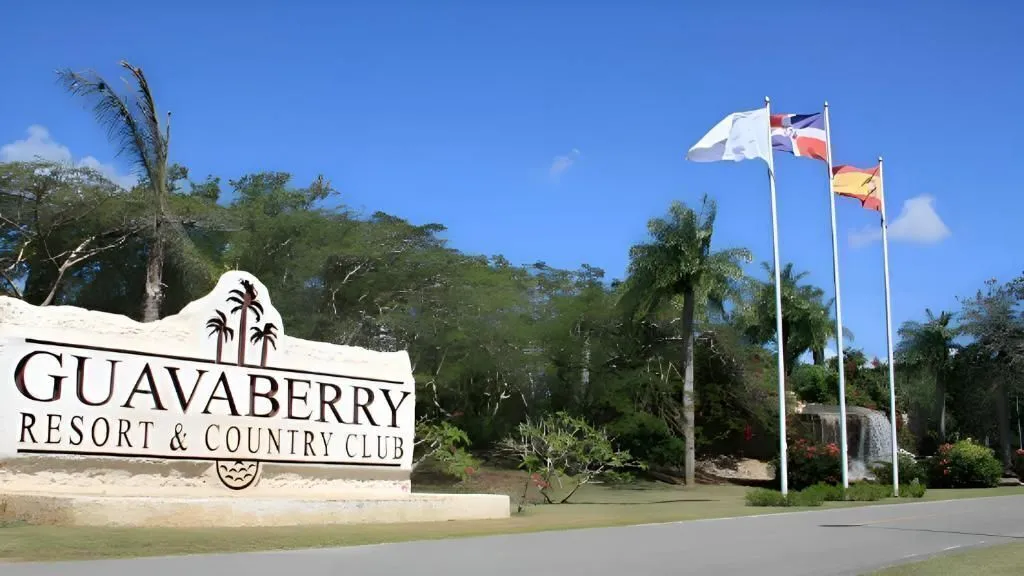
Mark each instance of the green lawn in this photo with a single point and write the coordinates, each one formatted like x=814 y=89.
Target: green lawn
x=596 y=506
x=1003 y=560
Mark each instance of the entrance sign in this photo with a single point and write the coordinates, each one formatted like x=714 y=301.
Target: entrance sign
x=218 y=384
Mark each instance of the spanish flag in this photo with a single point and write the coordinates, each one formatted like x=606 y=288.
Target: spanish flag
x=864 y=184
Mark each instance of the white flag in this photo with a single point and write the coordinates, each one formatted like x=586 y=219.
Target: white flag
x=739 y=136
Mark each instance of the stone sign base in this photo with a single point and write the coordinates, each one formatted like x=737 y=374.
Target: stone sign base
x=228 y=512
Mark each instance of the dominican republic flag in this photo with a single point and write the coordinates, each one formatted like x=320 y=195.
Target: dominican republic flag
x=799 y=134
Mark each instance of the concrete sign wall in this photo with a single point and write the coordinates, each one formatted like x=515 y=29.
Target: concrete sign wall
x=217 y=397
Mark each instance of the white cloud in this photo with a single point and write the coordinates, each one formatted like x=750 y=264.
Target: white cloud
x=39 y=145
x=918 y=222
x=562 y=163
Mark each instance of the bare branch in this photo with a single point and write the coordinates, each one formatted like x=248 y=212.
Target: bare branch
x=13 y=286
x=80 y=254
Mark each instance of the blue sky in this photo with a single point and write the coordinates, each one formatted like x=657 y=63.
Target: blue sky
x=553 y=130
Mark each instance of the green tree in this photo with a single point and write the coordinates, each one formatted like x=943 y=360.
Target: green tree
x=55 y=222
x=994 y=320
x=927 y=348
x=807 y=323
x=678 y=268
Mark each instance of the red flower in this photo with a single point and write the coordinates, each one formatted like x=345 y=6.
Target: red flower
x=470 y=471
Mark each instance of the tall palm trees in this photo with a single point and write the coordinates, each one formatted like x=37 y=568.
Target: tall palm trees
x=677 y=267
x=929 y=347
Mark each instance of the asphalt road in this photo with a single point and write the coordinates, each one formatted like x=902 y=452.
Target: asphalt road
x=819 y=543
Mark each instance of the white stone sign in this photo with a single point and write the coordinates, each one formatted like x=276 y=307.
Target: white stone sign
x=237 y=394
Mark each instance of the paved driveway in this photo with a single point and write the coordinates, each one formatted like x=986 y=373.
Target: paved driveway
x=819 y=543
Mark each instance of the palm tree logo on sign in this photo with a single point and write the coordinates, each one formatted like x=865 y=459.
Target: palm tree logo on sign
x=241 y=314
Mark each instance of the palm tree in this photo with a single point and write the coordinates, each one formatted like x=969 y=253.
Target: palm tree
x=807 y=322
x=678 y=264
x=245 y=301
x=929 y=347
x=218 y=326
x=268 y=334
x=133 y=124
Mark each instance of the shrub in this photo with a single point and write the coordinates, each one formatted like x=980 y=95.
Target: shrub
x=910 y=470
x=765 y=497
x=913 y=490
x=444 y=448
x=811 y=463
x=812 y=496
x=561 y=448
x=1018 y=464
x=804 y=498
x=964 y=465
x=647 y=437
x=828 y=492
x=867 y=492
x=813 y=383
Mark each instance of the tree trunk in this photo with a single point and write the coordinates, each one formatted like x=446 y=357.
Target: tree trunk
x=790 y=355
x=688 y=416
x=154 y=280
x=263 y=356
x=818 y=355
x=585 y=372
x=220 y=345
x=940 y=392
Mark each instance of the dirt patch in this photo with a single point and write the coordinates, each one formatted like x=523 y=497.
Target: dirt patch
x=733 y=469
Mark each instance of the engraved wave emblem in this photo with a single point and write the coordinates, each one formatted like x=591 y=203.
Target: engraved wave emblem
x=238 y=474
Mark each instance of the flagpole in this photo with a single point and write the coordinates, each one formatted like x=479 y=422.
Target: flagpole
x=888 y=334
x=839 y=309
x=783 y=470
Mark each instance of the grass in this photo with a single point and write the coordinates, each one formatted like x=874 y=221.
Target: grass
x=1002 y=560
x=594 y=506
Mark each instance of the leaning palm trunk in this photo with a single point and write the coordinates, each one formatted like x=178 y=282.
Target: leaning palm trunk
x=154 y=279
x=688 y=416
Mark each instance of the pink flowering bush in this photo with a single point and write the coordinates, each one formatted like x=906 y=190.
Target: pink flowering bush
x=812 y=463
x=964 y=465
